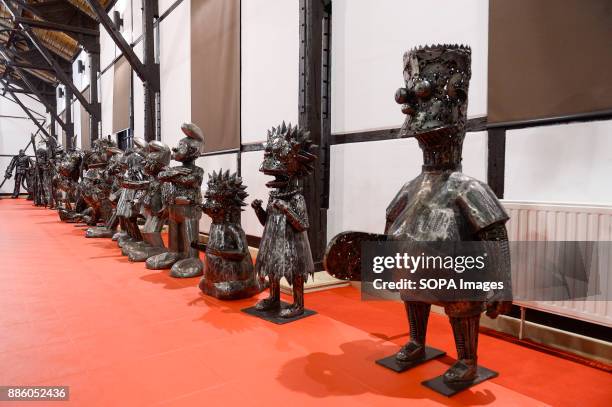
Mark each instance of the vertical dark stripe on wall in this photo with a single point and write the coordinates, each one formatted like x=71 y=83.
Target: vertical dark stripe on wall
x=310 y=117
x=496 y=160
x=326 y=102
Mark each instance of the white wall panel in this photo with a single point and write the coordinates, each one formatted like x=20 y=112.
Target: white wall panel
x=8 y=186
x=175 y=73
x=108 y=49
x=164 y=5
x=15 y=133
x=364 y=178
x=565 y=163
x=137 y=19
x=270 y=65
x=138 y=98
x=106 y=100
x=256 y=187
x=369 y=40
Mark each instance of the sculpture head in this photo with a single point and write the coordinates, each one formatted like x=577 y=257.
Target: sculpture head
x=157 y=158
x=287 y=155
x=140 y=144
x=98 y=156
x=224 y=197
x=189 y=147
x=21 y=153
x=435 y=95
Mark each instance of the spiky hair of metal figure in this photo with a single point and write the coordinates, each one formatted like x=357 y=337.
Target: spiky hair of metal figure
x=226 y=189
x=288 y=150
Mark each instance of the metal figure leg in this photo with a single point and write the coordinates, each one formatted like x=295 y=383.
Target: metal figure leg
x=465 y=331
x=190 y=265
x=273 y=301
x=297 y=308
x=418 y=316
x=17 y=188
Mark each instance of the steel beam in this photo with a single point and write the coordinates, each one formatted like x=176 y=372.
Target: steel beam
x=94 y=121
x=25 y=109
x=151 y=86
x=59 y=72
x=34 y=90
x=118 y=39
x=48 y=25
x=69 y=129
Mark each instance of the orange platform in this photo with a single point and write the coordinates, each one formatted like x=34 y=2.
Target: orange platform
x=74 y=312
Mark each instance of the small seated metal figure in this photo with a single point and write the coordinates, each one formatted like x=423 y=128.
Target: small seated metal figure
x=156 y=212
x=228 y=274
x=20 y=163
x=182 y=194
x=284 y=250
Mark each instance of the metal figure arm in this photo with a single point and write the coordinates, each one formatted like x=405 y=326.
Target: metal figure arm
x=260 y=212
x=236 y=254
x=11 y=166
x=297 y=216
x=498 y=236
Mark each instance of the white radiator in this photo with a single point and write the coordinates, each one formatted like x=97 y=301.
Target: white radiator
x=532 y=221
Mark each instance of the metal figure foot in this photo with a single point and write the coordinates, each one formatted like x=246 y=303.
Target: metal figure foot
x=99 y=232
x=187 y=268
x=461 y=371
x=143 y=253
x=273 y=301
x=410 y=352
x=163 y=261
x=117 y=235
x=268 y=304
x=292 y=311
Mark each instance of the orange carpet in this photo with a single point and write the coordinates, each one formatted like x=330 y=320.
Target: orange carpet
x=74 y=312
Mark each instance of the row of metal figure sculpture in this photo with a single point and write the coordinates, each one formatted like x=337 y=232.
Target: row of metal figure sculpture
x=119 y=188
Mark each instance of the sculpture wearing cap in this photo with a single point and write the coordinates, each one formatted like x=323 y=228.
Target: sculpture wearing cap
x=182 y=195
x=112 y=175
x=128 y=206
x=441 y=204
x=228 y=274
x=284 y=250
x=95 y=187
x=69 y=171
x=154 y=207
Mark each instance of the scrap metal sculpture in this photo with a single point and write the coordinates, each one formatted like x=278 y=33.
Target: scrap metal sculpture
x=228 y=274
x=441 y=204
x=284 y=250
x=182 y=195
x=112 y=176
x=95 y=188
x=128 y=207
x=155 y=210
x=20 y=163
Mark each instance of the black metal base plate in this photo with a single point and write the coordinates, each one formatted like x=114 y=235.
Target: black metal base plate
x=272 y=316
x=390 y=362
x=437 y=383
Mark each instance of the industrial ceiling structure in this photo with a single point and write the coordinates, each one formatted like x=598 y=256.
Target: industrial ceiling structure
x=39 y=41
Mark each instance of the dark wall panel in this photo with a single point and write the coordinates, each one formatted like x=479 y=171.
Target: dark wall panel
x=549 y=58
x=121 y=95
x=215 y=72
x=85 y=142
